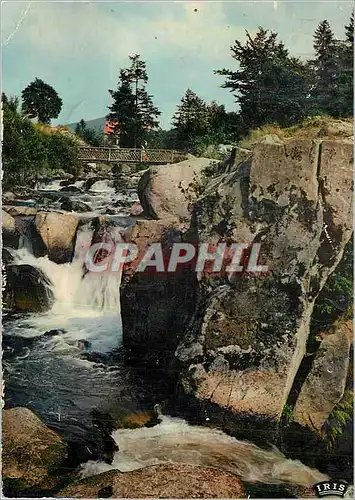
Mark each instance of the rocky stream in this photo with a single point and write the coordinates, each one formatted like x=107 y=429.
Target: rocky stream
x=175 y=385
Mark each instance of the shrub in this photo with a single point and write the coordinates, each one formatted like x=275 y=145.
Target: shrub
x=30 y=152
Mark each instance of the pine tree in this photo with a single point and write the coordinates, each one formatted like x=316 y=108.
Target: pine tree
x=89 y=135
x=122 y=111
x=326 y=67
x=41 y=101
x=224 y=127
x=80 y=127
x=132 y=106
x=349 y=32
x=269 y=85
x=333 y=89
x=191 y=120
x=347 y=88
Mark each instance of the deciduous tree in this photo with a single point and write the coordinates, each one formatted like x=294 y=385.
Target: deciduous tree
x=41 y=101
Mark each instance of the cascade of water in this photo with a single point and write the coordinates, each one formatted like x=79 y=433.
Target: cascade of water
x=87 y=304
x=174 y=440
x=25 y=242
x=99 y=290
x=52 y=185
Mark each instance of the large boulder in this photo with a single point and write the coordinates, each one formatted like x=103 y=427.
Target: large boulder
x=337 y=128
x=30 y=451
x=10 y=233
x=90 y=182
x=159 y=481
x=57 y=231
x=167 y=192
x=8 y=196
x=237 y=156
x=27 y=289
x=249 y=338
x=325 y=383
x=241 y=337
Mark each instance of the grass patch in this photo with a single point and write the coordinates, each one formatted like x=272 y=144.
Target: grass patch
x=309 y=128
x=341 y=414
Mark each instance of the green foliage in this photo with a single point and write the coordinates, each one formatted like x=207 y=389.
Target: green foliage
x=28 y=152
x=89 y=135
x=287 y=415
x=198 y=125
x=340 y=416
x=41 y=101
x=272 y=87
x=191 y=120
x=161 y=139
x=336 y=297
x=132 y=106
x=61 y=152
x=332 y=92
x=269 y=85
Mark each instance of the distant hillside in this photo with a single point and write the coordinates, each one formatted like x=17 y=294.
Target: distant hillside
x=97 y=124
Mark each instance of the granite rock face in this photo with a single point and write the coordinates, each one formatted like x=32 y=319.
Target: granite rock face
x=10 y=233
x=253 y=330
x=241 y=337
x=30 y=450
x=326 y=381
x=159 y=481
x=27 y=289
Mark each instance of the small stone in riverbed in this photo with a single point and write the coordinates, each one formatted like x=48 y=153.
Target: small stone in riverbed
x=53 y=333
x=83 y=345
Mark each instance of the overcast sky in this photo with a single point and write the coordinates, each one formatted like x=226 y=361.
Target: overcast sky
x=78 y=48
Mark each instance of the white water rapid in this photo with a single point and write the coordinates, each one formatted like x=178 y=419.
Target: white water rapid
x=175 y=441
x=87 y=305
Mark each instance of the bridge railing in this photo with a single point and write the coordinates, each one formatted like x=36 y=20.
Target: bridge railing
x=126 y=155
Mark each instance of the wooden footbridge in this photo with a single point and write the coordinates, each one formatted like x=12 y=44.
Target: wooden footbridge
x=118 y=155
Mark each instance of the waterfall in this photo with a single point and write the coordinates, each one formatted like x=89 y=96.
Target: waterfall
x=55 y=185
x=86 y=304
x=175 y=441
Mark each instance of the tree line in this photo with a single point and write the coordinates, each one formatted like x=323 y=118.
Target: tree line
x=270 y=86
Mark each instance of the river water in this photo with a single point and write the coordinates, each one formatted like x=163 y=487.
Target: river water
x=68 y=362
x=78 y=366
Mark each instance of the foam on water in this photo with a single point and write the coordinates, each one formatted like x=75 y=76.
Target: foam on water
x=175 y=441
x=87 y=305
